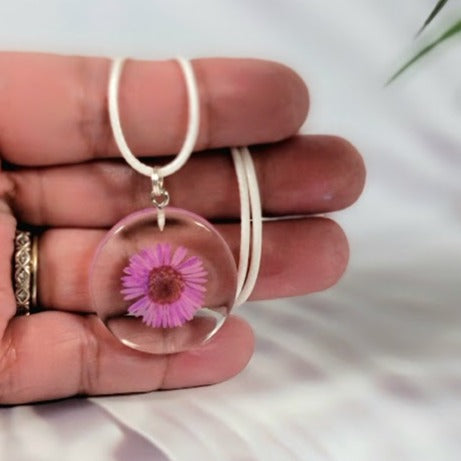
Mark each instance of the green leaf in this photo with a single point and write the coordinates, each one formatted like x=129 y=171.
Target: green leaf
x=452 y=31
x=434 y=13
x=438 y=7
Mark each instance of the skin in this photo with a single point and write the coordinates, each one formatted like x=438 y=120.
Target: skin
x=61 y=170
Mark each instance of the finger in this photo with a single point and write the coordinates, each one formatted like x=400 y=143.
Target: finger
x=54 y=108
x=54 y=354
x=305 y=174
x=312 y=259
x=7 y=299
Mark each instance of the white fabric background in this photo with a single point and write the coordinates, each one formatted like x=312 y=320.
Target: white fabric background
x=369 y=370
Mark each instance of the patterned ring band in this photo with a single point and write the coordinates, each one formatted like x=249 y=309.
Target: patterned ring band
x=25 y=271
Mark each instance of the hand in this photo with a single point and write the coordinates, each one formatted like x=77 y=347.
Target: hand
x=61 y=170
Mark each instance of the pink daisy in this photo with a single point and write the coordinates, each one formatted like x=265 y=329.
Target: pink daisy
x=167 y=289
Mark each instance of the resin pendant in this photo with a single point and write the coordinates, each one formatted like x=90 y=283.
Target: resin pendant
x=163 y=291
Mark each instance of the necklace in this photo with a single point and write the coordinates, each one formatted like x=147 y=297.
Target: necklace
x=163 y=279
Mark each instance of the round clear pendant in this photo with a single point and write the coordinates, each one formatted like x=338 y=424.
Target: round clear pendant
x=163 y=284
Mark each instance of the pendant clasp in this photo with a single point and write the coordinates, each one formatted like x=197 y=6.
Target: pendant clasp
x=160 y=198
x=159 y=195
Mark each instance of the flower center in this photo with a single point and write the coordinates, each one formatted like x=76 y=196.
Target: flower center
x=165 y=285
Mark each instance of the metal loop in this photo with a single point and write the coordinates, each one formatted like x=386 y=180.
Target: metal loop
x=161 y=200
x=159 y=195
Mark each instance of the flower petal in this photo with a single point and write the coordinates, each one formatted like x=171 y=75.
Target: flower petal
x=132 y=293
x=196 y=286
x=139 y=307
x=166 y=254
x=151 y=257
x=193 y=260
x=191 y=270
x=178 y=256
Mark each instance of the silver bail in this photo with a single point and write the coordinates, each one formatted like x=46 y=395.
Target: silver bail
x=160 y=197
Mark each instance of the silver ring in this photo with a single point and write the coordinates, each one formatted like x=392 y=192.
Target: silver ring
x=25 y=265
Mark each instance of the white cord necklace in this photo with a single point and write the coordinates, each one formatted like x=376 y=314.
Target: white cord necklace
x=163 y=279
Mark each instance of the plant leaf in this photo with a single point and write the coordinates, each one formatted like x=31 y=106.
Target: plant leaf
x=440 y=4
x=453 y=30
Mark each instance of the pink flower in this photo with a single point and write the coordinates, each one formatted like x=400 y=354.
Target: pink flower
x=167 y=288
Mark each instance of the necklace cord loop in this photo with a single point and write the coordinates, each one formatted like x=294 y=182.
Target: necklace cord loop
x=250 y=202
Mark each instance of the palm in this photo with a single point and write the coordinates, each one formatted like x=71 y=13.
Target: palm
x=61 y=171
